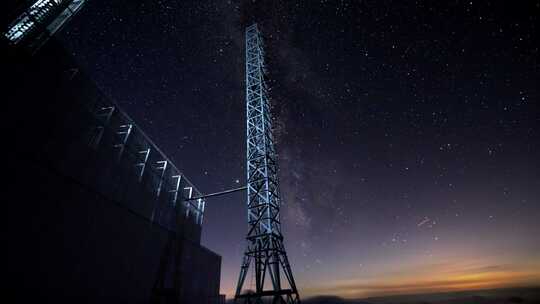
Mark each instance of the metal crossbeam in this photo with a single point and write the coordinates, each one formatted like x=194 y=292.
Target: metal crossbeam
x=103 y=116
x=141 y=163
x=217 y=193
x=122 y=133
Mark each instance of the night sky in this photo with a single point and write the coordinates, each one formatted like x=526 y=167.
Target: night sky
x=408 y=135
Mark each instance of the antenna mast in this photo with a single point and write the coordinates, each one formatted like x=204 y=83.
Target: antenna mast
x=265 y=249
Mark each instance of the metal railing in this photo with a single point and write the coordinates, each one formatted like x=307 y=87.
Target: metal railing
x=129 y=146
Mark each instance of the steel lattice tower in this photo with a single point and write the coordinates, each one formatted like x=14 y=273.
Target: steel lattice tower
x=265 y=248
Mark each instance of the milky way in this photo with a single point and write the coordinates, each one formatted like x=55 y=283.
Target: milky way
x=407 y=134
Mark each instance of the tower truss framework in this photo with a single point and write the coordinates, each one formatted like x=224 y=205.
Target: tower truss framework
x=265 y=252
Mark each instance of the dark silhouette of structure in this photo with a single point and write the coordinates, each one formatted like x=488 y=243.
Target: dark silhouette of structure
x=98 y=212
x=265 y=249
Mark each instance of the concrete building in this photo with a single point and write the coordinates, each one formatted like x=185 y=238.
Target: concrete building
x=95 y=211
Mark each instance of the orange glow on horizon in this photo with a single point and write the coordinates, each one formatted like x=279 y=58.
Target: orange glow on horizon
x=404 y=286
x=446 y=279
x=418 y=276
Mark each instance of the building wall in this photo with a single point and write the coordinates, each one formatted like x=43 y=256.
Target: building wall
x=80 y=222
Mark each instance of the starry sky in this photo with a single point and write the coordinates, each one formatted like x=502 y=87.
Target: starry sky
x=407 y=134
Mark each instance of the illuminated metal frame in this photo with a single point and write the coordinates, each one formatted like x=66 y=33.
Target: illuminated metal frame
x=44 y=17
x=265 y=241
